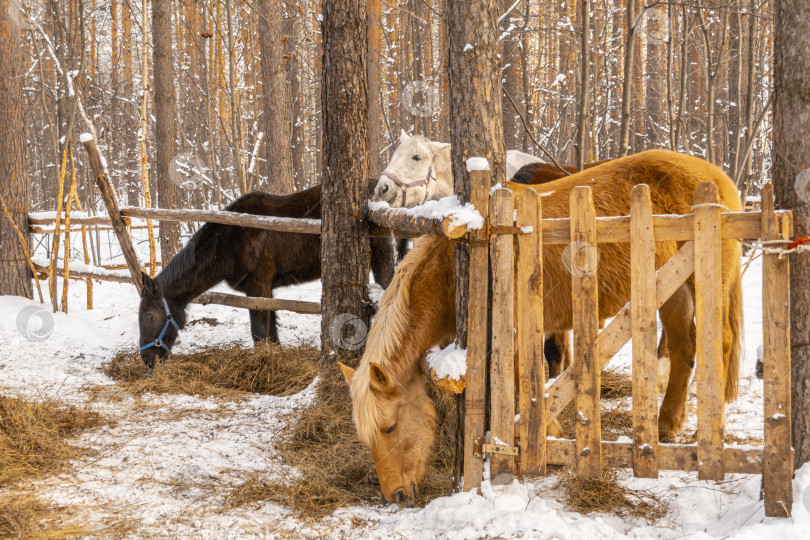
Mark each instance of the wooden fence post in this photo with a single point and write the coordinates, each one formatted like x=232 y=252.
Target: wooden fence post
x=644 y=331
x=529 y=336
x=502 y=366
x=110 y=199
x=708 y=315
x=477 y=314
x=582 y=260
x=778 y=466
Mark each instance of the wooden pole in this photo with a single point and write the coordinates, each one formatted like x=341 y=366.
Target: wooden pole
x=644 y=332
x=502 y=365
x=583 y=265
x=110 y=199
x=397 y=218
x=477 y=314
x=529 y=336
x=708 y=315
x=778 y=468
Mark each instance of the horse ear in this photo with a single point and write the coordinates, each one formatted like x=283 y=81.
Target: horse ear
x=381 y=382
x=348 y=373
x=439 y=147
x=150 y=288
x=403 y=136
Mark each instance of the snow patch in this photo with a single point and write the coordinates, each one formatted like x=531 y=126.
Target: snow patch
x=85 y=137
x=477 y=164
x=448 y=362
x=459 y=215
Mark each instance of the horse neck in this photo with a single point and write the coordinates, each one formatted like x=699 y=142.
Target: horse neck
x=182 y=280
x=417 y=313
x=444 y=175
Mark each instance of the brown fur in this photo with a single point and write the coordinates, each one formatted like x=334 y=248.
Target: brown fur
x=541 y=173
x=417 y=310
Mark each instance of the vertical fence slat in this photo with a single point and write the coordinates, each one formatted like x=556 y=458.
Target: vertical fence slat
x=645 y=350
x=477 y=314
x=529 y=336
x=778 y=466
x=582 y=260
x=708 y=314
x=502 y=367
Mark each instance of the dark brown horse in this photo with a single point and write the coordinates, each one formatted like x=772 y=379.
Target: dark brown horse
x=253 y=261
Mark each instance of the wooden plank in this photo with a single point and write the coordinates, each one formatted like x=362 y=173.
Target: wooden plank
x=400 y=219
x=778 y=468
x=676 y=228
x=529 y=336
x=671 y=457
x=502 y=359
x=82 y=220
x=583 y=265
x=644 y=334
x=224 y=217
x=259 y=303
x=668 y=280
x=709 y=325
x=110 y=199
x=477 y=313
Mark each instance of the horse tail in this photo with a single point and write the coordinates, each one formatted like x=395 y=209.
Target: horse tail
x=734 y=322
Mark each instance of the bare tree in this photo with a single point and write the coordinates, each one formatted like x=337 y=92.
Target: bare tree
x=791 y=172
x=15 y=278
x=345 y=242
x=168 y=193
x=276 y=98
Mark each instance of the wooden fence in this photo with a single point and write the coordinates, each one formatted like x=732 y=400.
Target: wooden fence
x=521 y=447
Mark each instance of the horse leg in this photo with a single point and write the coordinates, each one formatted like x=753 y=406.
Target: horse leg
x=262 y=323
x=677 y=316
x=557 y=352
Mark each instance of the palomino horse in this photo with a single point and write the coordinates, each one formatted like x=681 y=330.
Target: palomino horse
x=253 y=261
x=390 y=406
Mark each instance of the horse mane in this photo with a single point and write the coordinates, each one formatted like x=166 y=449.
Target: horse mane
x=186 y=259
x=387 y=338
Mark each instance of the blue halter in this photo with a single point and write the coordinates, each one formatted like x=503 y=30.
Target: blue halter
x=159 y=341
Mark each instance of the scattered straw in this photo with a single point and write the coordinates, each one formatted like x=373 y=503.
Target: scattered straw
x=225 y=372
x=605 y=495
x=616 y=384
x=33 y=437
x=23 y=515
x=335 y=468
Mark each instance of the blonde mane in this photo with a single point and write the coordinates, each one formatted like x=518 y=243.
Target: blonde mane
x=388 y=342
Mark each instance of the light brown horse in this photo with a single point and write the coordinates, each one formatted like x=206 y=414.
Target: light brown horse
x=390 y=407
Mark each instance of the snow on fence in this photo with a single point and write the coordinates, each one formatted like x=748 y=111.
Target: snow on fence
x=519 y=444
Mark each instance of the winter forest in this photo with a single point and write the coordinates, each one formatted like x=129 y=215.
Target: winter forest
x=404 y=269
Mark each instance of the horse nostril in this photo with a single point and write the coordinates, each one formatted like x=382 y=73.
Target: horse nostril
x=383 y=189
x=400 y=496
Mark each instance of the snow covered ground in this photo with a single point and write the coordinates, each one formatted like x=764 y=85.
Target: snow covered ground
x=156 y=464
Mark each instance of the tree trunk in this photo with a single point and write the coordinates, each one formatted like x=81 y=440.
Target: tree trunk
x=15 y=278
x=627 y=80
x=476 y=127
x=791 y=170
x=276 y=99
x=584 y=84
x=344 y=233
x=375 y=134
x=168 y=193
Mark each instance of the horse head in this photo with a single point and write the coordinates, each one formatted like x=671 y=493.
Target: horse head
x=159 y=321
x=419 y=171
x=397 y=420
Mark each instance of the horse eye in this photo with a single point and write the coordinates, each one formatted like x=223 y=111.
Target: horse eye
x=417 y=157
x=389 y=430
